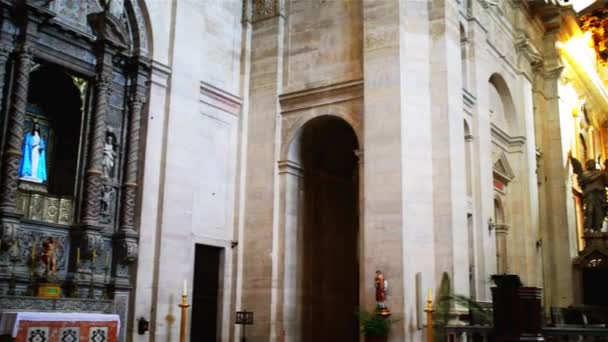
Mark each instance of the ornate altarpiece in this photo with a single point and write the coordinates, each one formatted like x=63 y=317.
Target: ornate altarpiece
x=103 y=46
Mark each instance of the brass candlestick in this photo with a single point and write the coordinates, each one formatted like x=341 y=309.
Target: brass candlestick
x=429 y=317
x=182 y=328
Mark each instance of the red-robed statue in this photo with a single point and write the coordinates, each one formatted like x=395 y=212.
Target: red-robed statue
x=381 y=286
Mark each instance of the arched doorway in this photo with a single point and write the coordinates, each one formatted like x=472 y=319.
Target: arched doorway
x=328 y=274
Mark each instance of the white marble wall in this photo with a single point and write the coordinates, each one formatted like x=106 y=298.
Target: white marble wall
x=228 y=96
x=188 y=193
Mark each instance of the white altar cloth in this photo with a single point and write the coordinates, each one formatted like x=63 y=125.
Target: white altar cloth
x=9 y=321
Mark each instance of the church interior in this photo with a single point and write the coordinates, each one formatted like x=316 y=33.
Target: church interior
x=303 y=170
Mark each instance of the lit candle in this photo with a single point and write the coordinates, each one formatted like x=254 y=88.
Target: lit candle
x=185 y=293
x=78 y=256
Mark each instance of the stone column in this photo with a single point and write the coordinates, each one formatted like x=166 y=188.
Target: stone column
x=290 y=183
x=126 y=238
x=129 y=191
x=397 y=230
x=5 y=51
x=24 y=57
x=449 y=178
x=260 y=271
x=92 y=182
x=87 y=235
x=558 y=216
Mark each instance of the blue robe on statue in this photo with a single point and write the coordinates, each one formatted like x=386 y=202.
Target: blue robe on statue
x=25 y=168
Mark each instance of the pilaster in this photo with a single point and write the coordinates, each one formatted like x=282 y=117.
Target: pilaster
x=260 y=274
x=558 y=217
x=449 y=179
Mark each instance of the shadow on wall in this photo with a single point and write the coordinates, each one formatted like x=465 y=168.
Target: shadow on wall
x=170 y=318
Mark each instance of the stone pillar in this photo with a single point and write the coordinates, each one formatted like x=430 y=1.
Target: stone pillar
x=558 y=216
x=126 y=238
x=449 y=178
x=397 y=230
x=260 y=257
x=5 y=51
x=92 y=181
x=129 y=190
x=87 y=234
x=290 y=180
x=24 y=57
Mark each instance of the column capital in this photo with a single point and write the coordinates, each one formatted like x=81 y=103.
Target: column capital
x=265 y=9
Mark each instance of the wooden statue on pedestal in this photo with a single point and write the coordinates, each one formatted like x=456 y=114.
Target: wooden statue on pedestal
x=381 y=287
x=49 y=288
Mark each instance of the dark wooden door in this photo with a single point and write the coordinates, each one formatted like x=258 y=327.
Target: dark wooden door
x=205 y=302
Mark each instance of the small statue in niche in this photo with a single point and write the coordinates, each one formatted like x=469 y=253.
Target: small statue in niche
x=49 y=255
x=593 y=182
x=33 y=161
x=109 y=156
x=381 y=285
x=107 y=198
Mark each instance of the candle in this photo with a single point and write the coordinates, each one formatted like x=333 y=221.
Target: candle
x=78 y=256
x=94 y=256
x=185 y=293
x=107 y=259
x=429 y=297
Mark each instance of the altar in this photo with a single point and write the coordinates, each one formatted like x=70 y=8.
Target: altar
x=59 y=327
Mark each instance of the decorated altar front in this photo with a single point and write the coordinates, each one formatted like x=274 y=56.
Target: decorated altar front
x=59 y=327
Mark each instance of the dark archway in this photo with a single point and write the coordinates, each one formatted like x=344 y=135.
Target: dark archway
x=330 y=222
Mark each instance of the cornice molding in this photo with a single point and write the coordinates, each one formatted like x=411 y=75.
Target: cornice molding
x=324 y=95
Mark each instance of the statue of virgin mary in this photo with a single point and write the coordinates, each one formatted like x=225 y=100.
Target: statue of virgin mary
x=33 y=162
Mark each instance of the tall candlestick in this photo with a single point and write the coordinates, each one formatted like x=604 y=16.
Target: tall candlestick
x=185 y=293
x=78 y=256
x=429 y=316
x=184 y=306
